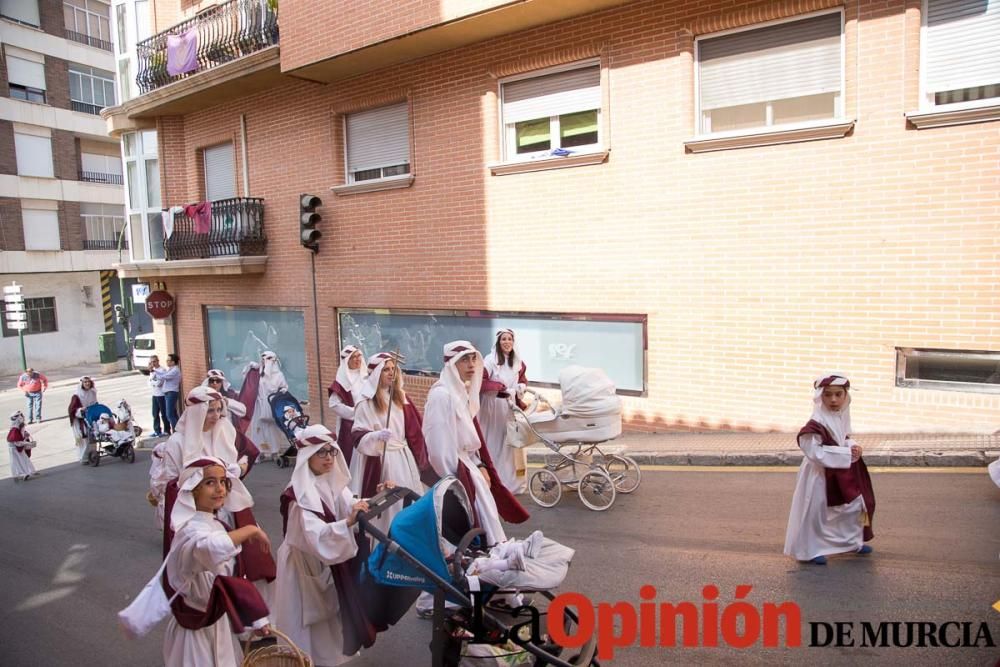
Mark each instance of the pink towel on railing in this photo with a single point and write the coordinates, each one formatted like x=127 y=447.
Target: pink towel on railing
x=201 y=213
x=182 y=52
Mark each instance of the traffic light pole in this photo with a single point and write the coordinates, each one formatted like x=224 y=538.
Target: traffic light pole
x=319 y=364
x=126 y=308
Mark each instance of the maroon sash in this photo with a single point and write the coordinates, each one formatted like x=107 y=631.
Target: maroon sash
x=234 y=596
x=507 y=505
x=844 y=484
x=244 y=447
x=257 y=563
x=248 y=397
x=16 y=435
x=359 y=631
x=345 y=440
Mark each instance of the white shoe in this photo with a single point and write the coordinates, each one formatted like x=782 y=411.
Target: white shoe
x=515 y=561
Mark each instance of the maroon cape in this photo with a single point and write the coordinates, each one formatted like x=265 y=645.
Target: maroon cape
x=244 y=446
x=257 y=563
x=234 y=596
x=16 y=435
x=344 y=436
x=78 y=425
x=492 y=385
x=508 y=506
x=845 y=484
x=248 y=397
x=414 y=427
x=359 y=631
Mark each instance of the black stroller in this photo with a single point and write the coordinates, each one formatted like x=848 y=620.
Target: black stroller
x=432 y=546
x=287 y=414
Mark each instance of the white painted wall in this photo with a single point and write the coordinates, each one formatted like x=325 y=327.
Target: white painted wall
x=79 y=317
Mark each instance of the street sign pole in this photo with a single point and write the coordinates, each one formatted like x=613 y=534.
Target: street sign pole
x=20 y=338
x=15 y=315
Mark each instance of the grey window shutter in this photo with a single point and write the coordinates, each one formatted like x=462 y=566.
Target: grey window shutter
x=378 y=138
x=25 y=72
x=777 y=62
x=962 y=47
x=552 y=94
x=220 y=175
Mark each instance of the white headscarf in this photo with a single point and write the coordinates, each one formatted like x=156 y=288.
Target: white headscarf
x=838 y=423
x=87 y=396
x=189 y=426
x=216 y=373
x=466 y=393
x=310 y=489
x=184 y=509
x=17 y=419
x=346 y=377
x=492 y=359
x=271 y=377
x=368 y=387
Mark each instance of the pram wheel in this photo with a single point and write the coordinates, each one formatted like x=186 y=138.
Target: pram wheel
x=596 y=490
x=281 y=462
x=129 y=454
x=545 y=488
x=624 y=472
x=94 y=458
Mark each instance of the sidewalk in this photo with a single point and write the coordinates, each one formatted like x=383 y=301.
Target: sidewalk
x=728 y=448
x=60 y=377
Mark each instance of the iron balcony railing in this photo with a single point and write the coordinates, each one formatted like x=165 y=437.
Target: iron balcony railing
x=235 y=228
x=104 y=244
x=88 y=40
x=99 y=177
x=85 y=107
x=222 y=33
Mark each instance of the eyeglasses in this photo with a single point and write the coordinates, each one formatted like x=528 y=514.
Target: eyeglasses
x=326 y=452
x=215 y=380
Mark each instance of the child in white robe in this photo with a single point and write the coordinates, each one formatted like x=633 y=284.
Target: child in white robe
x=206 y=602
x=319 y=513
x=19 y=443
x=833 y=501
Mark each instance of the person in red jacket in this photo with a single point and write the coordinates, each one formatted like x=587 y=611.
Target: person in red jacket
x=33 y=384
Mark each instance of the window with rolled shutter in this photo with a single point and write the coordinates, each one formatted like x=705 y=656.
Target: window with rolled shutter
x=785 y=73
x=378 y=143
x=220 y=174
x=556 y=111
x=961 y=51
x=22 y=11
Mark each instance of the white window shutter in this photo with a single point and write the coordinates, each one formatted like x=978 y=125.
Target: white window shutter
x=34 y=155
x=220 y=173
x=378 y=138
x=777 y=62
x=41 y=229
x=962 y=47
x=25 y=72
x=25 y=11
x=552 y=94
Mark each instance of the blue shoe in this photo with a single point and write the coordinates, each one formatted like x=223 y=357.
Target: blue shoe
x=818 y=560
x=865 y=550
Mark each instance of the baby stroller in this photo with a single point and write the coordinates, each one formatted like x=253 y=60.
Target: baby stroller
x=433 y=546
x=110 y=433
x=287 y=414
x=590 y=416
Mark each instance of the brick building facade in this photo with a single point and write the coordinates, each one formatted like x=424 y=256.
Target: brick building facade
x=864 y=241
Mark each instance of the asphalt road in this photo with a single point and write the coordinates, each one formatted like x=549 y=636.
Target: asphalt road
x=78 y=543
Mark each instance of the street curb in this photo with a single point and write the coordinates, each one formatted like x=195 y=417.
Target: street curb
x=907 y=459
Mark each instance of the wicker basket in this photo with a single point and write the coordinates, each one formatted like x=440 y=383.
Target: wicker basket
x=277 y=655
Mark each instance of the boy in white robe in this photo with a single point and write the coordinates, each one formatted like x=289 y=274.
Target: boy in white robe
x=833 y=501
x=319 y=514
x=207 y=603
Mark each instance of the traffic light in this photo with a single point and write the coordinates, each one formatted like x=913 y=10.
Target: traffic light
x=308 y=218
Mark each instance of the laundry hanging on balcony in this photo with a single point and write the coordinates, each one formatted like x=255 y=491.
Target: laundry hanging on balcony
x=168 y=220
x=182 y=52
x=201 y=213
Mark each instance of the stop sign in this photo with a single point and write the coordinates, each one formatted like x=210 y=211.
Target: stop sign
x=159 y=304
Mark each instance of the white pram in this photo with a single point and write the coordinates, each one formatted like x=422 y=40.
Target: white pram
x=590 y=415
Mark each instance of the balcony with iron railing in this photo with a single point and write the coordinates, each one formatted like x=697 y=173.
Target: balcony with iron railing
x=89 y=41
x=101 y=177
x=223 y=228
x=103 y=232
x=218 y=35
x=85 y=107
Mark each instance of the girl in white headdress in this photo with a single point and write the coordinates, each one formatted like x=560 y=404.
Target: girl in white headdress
x=314 y=589
x=235 y=412
x=259 y=382
x=389 y=442
x=833 y=503
x=84 y=396
x=207 y=603
x=19 y=443
x=503 y=383
x=350 y=374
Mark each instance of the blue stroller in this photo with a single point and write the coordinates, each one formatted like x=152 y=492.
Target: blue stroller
x=431 y=546
x=114 y=437
x=287 y=414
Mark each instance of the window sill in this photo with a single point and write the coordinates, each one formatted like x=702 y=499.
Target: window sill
x=833 y=130
x=391 y=183
x=505 y=168
x=923 y=120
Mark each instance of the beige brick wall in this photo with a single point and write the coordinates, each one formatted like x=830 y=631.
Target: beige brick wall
x=758 y=268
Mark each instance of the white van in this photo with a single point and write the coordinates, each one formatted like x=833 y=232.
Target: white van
x=143 y=348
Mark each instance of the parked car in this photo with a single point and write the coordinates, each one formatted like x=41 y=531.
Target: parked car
x=143 y=347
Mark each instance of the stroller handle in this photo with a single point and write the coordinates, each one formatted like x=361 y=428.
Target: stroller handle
x=383 y=500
